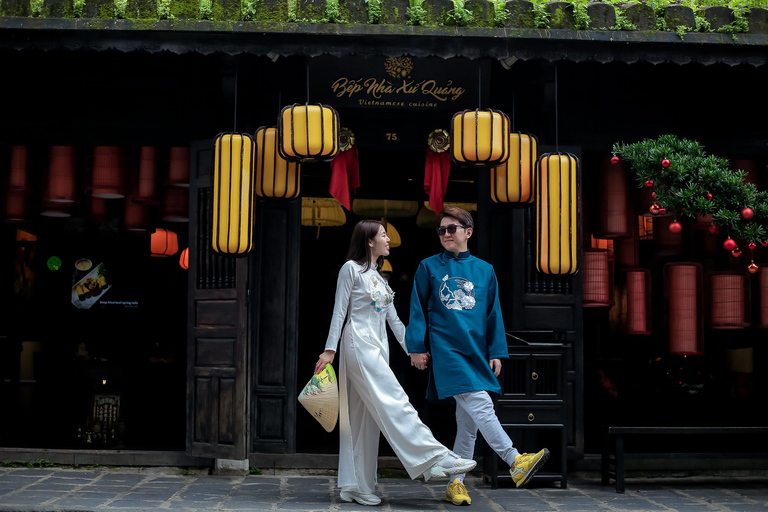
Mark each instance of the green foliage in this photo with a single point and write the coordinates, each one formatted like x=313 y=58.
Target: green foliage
x=500 y=13
x=540 y=14
x=459 y=16
x=120 y=8
x=682 y=187
x=78 y=8
x=35 y=8
x=292 y=16
x=739 y=25
x=164 y=10
x=415 y=14
x=622 y=22
x=581 y=18
x=205 y=10
x=254 y=471
x=374 y=11
x=39 y=463
x=702 y=25
x=248 y=9
x=332 y=12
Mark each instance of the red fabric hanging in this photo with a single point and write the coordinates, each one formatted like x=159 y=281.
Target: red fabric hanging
x=345 y=175
x=436 y=172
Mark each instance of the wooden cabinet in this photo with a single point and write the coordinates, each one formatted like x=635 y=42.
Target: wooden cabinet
x=532 y=411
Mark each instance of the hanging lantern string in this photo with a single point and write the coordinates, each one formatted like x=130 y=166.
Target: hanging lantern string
x=557 y=127
x=479 y=87
x=235 y=122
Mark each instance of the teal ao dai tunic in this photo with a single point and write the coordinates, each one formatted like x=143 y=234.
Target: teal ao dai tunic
x=455 y=315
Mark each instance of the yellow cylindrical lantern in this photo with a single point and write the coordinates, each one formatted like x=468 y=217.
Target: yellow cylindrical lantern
x=513 y=181
x=308 y=133
x=275 y=176
x=557 y=214
x=480 y=138
x=233 y=186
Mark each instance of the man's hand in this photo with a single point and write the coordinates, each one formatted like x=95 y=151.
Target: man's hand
x=325 y=358
x=495 y=366
x=420 y=360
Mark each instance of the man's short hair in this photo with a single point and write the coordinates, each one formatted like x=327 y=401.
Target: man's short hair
x=463 y=216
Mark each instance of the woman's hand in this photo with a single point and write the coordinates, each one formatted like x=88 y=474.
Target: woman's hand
x=420 y=360
x=325 y=358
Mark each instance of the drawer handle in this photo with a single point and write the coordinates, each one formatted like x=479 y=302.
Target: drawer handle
x=530 y=416
x=534 y=376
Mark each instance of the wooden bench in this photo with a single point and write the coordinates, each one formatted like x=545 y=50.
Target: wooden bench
x=613 y=445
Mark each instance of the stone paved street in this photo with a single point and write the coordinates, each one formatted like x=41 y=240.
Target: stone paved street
x=104 y=489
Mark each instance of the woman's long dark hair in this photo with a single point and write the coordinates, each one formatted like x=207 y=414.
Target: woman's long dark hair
x=359 y=250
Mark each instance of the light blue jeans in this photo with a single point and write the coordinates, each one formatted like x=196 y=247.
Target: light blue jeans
x=474 y=411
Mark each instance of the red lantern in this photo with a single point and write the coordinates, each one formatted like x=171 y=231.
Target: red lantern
x=665 y=240
x=178 y=169
x=176 y=205
x=184 y=259
x=596 y=279
x=638 y=319
x=19 y=158
x=752 y=268
x=61 y=175
x=147 y=191
x=164 y=243
x=683 y=307
x=15 y=206
x=135 y=216
x=729 y=300
x=614 y=214
x=107 y=172
x=762 y=285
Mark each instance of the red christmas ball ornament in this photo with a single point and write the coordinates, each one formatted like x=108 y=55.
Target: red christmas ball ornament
x=654 y=209
x=662 y=211
x=675 y=227
x=649 y=183
x=764 y=243
x=736 y=253
x=729 y=244
x=752 y=246
x=714 y=229
x=747 y=213
x=665 y=163
x=710 y=197
x=653 y=195
x=752 y=267
x=614 y=159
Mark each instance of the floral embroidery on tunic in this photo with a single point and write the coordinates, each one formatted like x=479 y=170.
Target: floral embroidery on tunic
x=381 y=294
x=457 y=293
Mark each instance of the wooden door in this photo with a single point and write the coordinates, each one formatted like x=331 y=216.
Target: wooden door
x=217 y=330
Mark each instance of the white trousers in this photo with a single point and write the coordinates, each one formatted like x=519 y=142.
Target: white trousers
x=377 y=403
x=474 y=410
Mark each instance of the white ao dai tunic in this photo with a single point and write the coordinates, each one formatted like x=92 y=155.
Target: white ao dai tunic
x=371 y=399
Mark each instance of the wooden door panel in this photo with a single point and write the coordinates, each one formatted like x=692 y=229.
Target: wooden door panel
x=217 y=331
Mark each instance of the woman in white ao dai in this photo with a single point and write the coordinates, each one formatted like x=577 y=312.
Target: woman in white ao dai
x=371 y=398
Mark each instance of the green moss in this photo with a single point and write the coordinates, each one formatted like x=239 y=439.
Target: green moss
x=143 y=24
x=107 y=11
x=276 y=13
x=185 y=9
x=558 y=17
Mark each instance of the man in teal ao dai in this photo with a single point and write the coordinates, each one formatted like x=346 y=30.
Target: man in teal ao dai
x=455 y=310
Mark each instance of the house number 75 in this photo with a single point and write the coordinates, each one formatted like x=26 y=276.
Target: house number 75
x=391 y=136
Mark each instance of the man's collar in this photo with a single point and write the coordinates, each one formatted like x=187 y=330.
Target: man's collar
x=450 y=255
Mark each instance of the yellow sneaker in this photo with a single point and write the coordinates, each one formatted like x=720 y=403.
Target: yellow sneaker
x=457 y=494
x=526 y=465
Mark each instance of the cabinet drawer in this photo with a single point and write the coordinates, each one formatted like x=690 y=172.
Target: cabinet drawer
x=521 y=414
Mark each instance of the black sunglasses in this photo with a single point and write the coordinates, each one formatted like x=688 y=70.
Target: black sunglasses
x=450 y=229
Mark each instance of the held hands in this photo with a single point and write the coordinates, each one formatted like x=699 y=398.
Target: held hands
x=495 y=366
x=325 y=358
x=420 y=360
